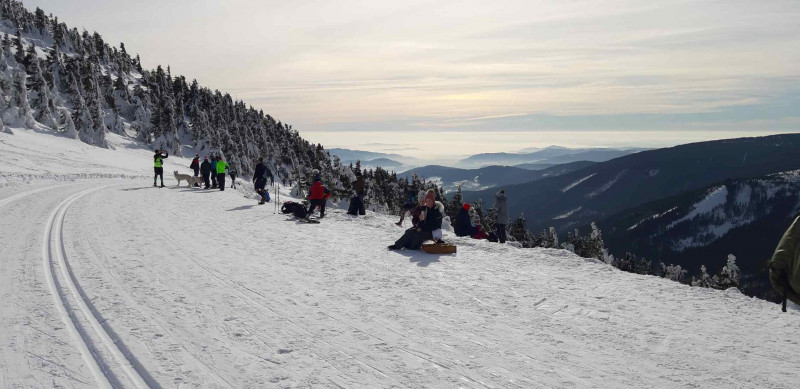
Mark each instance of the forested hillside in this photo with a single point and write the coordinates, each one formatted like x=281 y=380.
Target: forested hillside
x=73 y=83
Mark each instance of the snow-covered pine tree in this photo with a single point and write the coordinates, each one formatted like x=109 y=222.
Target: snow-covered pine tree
x=24 y=115
x=729 y=275
x=673 y=272
x=705 y=281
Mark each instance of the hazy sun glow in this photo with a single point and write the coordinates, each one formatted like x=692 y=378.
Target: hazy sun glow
x=350 y=71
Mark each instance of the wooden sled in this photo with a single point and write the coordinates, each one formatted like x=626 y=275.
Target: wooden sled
x=439 y=248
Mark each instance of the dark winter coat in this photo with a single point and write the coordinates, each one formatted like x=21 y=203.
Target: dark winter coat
x=205 y=168
x=433 y=218
x=360 y=186
x=415 y=214
x=463 y=227
x=260 y=169
x=318 y=192
x=195 y=164
x=784 y=266
x=501 y=208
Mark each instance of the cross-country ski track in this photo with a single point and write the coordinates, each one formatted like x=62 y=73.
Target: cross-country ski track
x=115 y=283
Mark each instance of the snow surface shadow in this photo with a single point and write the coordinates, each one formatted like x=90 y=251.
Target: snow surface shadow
x=242 y=208
x=140 y=188
x=421 y=258
x=196 y=190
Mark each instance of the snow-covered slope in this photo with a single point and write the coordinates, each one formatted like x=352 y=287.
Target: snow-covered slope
x=109 y=281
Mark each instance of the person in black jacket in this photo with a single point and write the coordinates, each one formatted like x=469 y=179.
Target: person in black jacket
x=260 y=180
x=463 y=225
x=430 y=220
x=205 y=170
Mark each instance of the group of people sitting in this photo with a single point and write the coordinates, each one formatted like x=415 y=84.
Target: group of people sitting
x=426 y=219
x=427 y=222
x=468 y=223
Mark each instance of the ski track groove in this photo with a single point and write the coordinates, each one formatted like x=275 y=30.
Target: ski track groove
x=101 y=370
x=18 y=196
x=251 y=301
x=153 y=317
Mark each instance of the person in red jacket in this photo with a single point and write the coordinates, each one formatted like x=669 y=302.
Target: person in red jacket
x=318 y=196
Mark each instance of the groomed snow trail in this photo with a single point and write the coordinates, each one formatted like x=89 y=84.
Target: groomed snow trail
x=196 y=288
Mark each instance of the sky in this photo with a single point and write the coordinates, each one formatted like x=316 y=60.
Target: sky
x=448 y=78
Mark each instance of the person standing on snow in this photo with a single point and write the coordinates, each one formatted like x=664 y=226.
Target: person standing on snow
x=213 y=171
x=318 y=196
x=260 y=180
x=205 y=170
x=430 y=221
x=357 y=202
x=233 y=173
x=221 y=167
x=195 y=165
x=500 y=207
x=158 y=166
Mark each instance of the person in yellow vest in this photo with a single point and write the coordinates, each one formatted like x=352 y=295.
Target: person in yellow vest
x=158 y=166
x=221 y=167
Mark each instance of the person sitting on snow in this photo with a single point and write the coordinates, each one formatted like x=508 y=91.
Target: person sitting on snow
x=463 y=225
x=475 y=222
x=430 y=224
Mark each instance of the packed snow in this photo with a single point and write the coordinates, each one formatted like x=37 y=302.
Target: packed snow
x=576 y=183
x=607 y=185
x=714 y=200
x=107 y=281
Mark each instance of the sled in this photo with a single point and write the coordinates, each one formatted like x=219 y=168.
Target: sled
x=439 y=248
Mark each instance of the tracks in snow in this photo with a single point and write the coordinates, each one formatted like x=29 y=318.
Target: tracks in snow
x=111 y=362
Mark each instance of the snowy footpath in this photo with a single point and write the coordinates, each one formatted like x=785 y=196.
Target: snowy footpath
x=106 y=281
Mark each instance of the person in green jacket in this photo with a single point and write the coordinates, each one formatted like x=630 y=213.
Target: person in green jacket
x=221 y=167
x=158 y=166
x=784 y=266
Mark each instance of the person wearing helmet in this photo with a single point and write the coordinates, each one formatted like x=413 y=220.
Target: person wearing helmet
x=158 y=166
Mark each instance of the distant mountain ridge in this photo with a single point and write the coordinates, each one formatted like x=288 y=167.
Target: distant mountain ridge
x=551 y=155
x=488 y=177
x=745 y=217
x=601 y=190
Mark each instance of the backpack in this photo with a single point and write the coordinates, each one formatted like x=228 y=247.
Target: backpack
x=784 y=266
x=297 y=209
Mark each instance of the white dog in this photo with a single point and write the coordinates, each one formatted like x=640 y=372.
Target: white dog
x=190 y=180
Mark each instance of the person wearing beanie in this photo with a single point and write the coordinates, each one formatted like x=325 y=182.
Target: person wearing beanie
x=430 y=223
x=413 y=205
x=205 y=170
x=500 y=208
x=463 y=226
